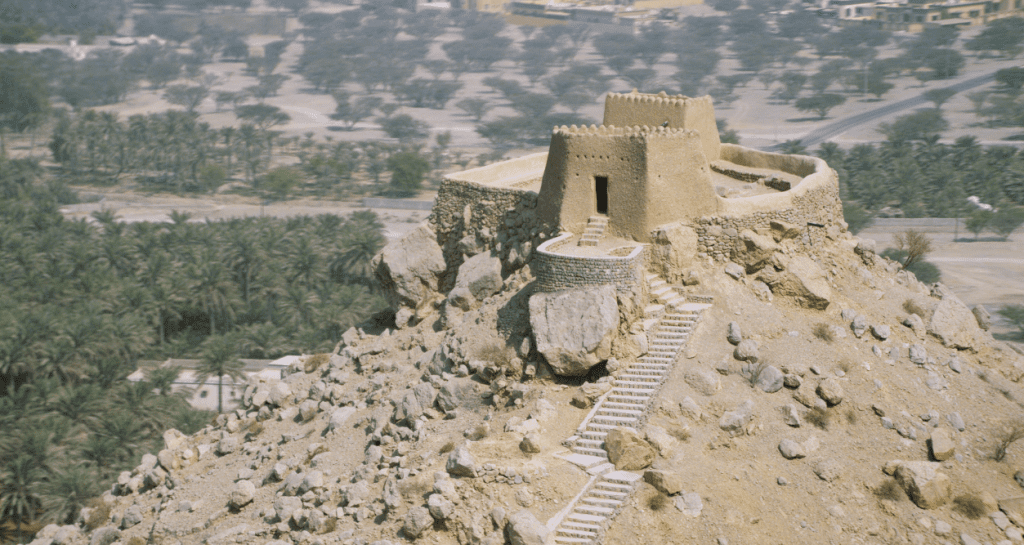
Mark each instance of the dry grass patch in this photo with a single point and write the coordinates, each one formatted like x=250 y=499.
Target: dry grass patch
x=969 y=505
x=448 y=447
x=889 y=490
x=910 y=306
x=659 y=502
x=823 y=332
x=820 y=418
x=1012 y=432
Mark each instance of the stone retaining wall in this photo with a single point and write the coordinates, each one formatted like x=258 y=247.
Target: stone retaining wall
x=555 y=271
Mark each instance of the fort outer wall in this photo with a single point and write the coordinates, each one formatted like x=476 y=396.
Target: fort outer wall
x=493 y=209
x=813 y=205
x=654 y=175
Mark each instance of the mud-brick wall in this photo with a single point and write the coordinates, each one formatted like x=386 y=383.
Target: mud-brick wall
x=498 y=218
x=558 y=272
x=815 y=211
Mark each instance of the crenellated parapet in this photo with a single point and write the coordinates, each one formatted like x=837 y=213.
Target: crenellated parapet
x=667 y=111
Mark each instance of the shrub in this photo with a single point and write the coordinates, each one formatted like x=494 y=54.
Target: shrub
x=448 y=447
x=889 y=490
x=659 y=502
x=823 y=332
x=679 y=432
x=911 y=307
x=821 y=418
x=1013 y=432
x=99 y=516
x=846 y=366
x=969 y=506
x=851 y=416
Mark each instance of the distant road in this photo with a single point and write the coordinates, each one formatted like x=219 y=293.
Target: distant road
x=1001 y=260
x=823 y=134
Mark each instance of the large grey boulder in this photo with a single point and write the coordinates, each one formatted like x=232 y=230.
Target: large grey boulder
x=105 y=536
x=524 y=529
x=801 y=279
x=574 y=328
x=417 y=521
x=982 y=316
x=461 y=463
x=924 y=484
x=242 y=494
x=408 y=269
x=628 y=450
x=480 y=276
x=753 y=250
x=952 y=322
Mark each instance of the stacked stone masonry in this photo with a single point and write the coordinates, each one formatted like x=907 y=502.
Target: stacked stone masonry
x=556 y=271
x=816 y=212
x=502 y=218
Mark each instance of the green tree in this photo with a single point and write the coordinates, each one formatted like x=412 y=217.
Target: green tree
x=220 y=359
x=1006 y=221
x=915 y=126
x=19 y=502
x=1011 y=78
x=939 y=96
x=477 y=108
x=1015 y=315
x=403 y=127
x=820 y=104
x=24 y=98
x=1002 y=35
x=978 y=221
x=279 y=182
x=856 y=217
x=407 y=171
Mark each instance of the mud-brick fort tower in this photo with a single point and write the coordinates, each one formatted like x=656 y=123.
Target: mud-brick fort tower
x=652 y=190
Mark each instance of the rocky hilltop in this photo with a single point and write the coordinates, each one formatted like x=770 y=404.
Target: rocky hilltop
x=824 y=396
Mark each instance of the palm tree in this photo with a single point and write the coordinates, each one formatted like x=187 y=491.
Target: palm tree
x=212 y=287
x=18 y=500
x=77 y=403
x=101 y=451
x=162 y=378
x=124 y=430
x=220 y=359
x=65 y=492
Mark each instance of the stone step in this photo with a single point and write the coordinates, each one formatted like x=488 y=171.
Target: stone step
x=596 y=452
x=594 y=435
x=588 y=243
x=646 y=372
x=606 y=418
x=632 y=400
x=656 y=360
x=654 y=309
x=651 y=277
x=580 y=525
x=614 y=486
x=610 y=493
x=610 y=411
x=598 y=219
x=634 y=384
x=641 y=378
x=604 y=502
x=622 y=477
x=635 y=392
x=601 y=469
x=590 y=443
x=583 y=517
x=565 y=539
x=576 y=532
x=605 y=427
x=586 y=508
x=618 y=405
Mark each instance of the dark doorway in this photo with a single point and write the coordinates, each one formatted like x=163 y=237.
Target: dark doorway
x=601 y=185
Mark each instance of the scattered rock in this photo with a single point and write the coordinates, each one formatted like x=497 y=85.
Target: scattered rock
x=859 y=325
x=627 y=450
x=941 y=444
x=105 y=536
x=734 y=270
x=227 y=445
x=690 y=409
x=734 y=335
x=770 y=380
x=956 y=421
x=132 y=517
x=790 y=415
x=916 y=324
x=881 y=332
x=801 y=279
x=461 y=463
x=830 y=391
x=704 y=381
x=439 y=506
x=924 y=484
x=524 y=529
x=790 y=449
x=982 y=316
x=280 y=394
x=952 y=322
x=242 y=493
x=660 y=440
x=691 y=505
x=339 y=417
x=666 y=482
x=738 y=418
x=417 y=521
x=746 y=350
x=408 y=269
x=530 y=443
x=1014 y=509
x=827 y=470
x=574 y=328
x=918 y=354
x=480 y=275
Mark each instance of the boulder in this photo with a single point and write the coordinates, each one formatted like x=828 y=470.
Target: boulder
x=859 y=325
x=782 y=230
x=941 y=444
x=666 y=482
x=830 y=391
x=704 y=381
x=417 y=521
x=734 y=270
x=339 y=417
x=790 y=449
x=918 y=354
x=440 y=507
x=881 y=332
x=530 y=443
x=523 y=528
x=801 y=279
x=672 y=251
x=770 y=380
x=280 y=394
x=746 y=350
x=574 y=329
x=480 y=276
x=408 y=409
x=132 y=517
x=452 y=393
x=924 y=484
x=734 y=335
x=408 y=270
x=660 y=439
x=627 y=450
x=982 y=316
x=174 y=439
x=461 y=463
x=953 y=323
x=753 y=251
x=105 y=536
x=738 y=418
x=242 y=493
x=916 y=324
x=1014 y=509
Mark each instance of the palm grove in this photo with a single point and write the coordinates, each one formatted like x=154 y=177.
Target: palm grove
x=83 y=303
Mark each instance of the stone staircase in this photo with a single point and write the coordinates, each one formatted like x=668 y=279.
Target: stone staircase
x=594 y=230
x=627 y=404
